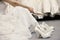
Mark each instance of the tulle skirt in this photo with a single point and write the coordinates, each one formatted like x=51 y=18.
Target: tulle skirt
x=15 y=23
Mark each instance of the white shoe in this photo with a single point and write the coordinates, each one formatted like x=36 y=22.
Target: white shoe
x=44 y=31
x=46 y=27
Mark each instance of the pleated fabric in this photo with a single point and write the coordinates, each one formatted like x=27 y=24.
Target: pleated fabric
x=15 y=23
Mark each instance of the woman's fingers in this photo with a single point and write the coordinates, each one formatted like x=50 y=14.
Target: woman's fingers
x=31 y=10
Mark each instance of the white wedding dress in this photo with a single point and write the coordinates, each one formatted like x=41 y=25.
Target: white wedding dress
x=42 y=6
x=15 y=23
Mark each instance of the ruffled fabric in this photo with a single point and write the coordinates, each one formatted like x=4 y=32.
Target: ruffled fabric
x=42 y=6
x=15 y=23
x=12 y=27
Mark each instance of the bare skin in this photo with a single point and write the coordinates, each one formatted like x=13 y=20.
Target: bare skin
x=16 y=3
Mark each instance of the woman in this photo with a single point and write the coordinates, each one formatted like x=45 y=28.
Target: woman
x=15 y=21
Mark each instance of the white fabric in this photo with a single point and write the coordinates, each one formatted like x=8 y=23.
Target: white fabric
x=42 y=6
x=15 y=23
x=46 y=6
x=54 y=7
x=33 y=4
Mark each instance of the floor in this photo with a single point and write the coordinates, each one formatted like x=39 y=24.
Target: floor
x=56 y=33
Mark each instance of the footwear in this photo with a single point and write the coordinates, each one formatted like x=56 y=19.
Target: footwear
x=44 y=30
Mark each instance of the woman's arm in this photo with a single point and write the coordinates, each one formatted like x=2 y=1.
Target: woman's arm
x=15 y=3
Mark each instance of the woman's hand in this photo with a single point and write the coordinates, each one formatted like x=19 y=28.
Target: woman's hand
x=31 y=10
